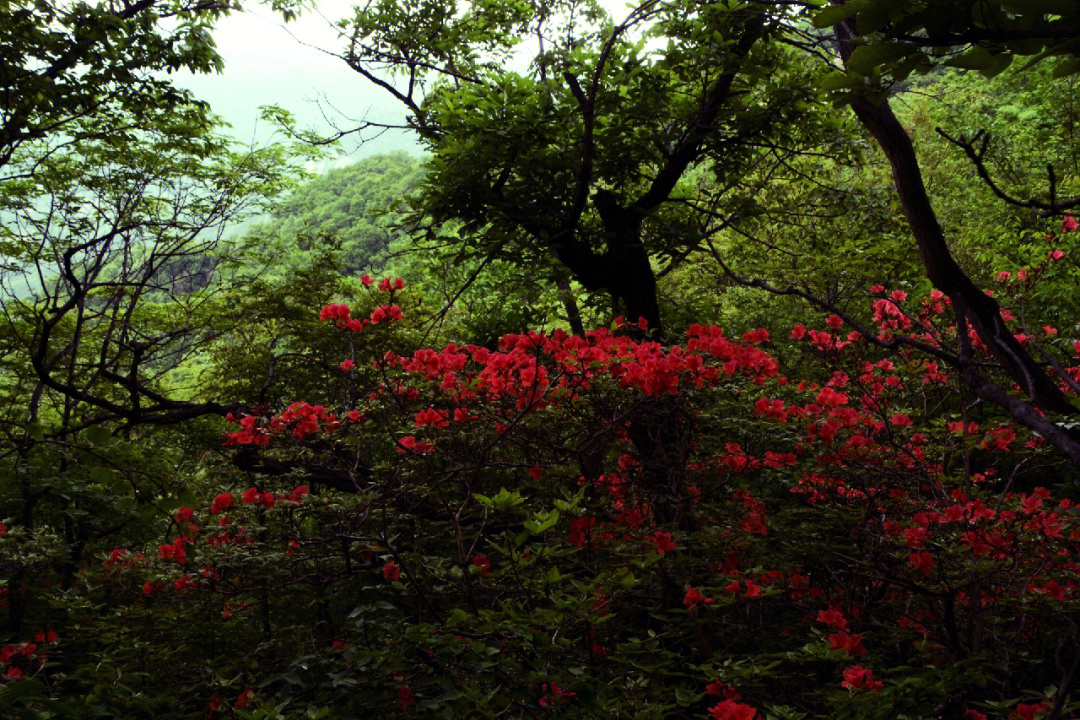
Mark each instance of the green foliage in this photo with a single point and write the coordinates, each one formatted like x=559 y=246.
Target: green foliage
x=576 y=165
x=94 y=70
x=898 y=37
x=358 y=207
x=509 y=527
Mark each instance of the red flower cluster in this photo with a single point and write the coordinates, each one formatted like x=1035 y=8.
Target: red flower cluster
x=731 y=710
x=857 y=677
x=693 y=598
x=254 y=496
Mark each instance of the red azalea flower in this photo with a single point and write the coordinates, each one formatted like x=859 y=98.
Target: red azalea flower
x=557 y=693
x=46 y=637
x=851 y=644
x=184 y=514
x=1028 y=712
x=243 y=699
x=663 y=542
x=857 y=677
x=720 y=689
x=731 y=710
x=693 y=598
x=391 y=571
x=221 y=502
x=833 y=618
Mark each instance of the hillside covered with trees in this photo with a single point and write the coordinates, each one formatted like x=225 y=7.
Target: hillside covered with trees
x=710 y=360
x=358 y=208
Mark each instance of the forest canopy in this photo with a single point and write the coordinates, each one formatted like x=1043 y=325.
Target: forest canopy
x=708 y=360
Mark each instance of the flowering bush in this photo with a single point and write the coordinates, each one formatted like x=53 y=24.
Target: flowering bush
x=600 y=526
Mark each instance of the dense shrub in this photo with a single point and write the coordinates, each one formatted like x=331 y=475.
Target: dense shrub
x=788 y=524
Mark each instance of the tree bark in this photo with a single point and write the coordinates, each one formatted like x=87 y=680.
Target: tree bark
x=631 y=278
x=941 y=268
x=573 y=313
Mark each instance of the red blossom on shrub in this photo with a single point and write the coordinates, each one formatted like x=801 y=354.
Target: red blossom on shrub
x=388 y=284
x=693 y=598
x=1025 y=711
x=391 y=571
x=580 y=530
x=243 y=698
x=663 y=542
x=833 y=618
x=221 y=503
x=385 y=314
x=851 y=644
x=337 y=313
x=48 y=636
x=556 y=694
x=857 y=677
x=483 y=563
x=409 y=444
x=731 y=710
x=296 y=495
x=431 y=416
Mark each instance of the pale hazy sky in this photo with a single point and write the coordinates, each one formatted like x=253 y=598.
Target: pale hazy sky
x=270 y=63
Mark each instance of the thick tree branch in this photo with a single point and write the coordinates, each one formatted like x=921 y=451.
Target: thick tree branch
x=944 y=272
x=701 y=127
x=969 y=370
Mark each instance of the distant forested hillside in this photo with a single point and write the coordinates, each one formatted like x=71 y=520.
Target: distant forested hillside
x=354 y=207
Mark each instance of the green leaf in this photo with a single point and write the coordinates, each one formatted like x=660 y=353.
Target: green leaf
x=1065 y=8
x=543 y=521
x=99 y=435
x=840 y=81
x=876 y=14
x=1069 y=66
x=505 y=499
x=827 y=17
x=976 y=58
x=868 y=58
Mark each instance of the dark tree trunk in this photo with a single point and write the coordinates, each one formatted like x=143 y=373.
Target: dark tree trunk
x=637 y=288
x=573 y=314
x=981 y=310
x=969 y=301
x=631 y=279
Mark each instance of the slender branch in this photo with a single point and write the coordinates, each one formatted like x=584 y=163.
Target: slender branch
x=977 y=156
